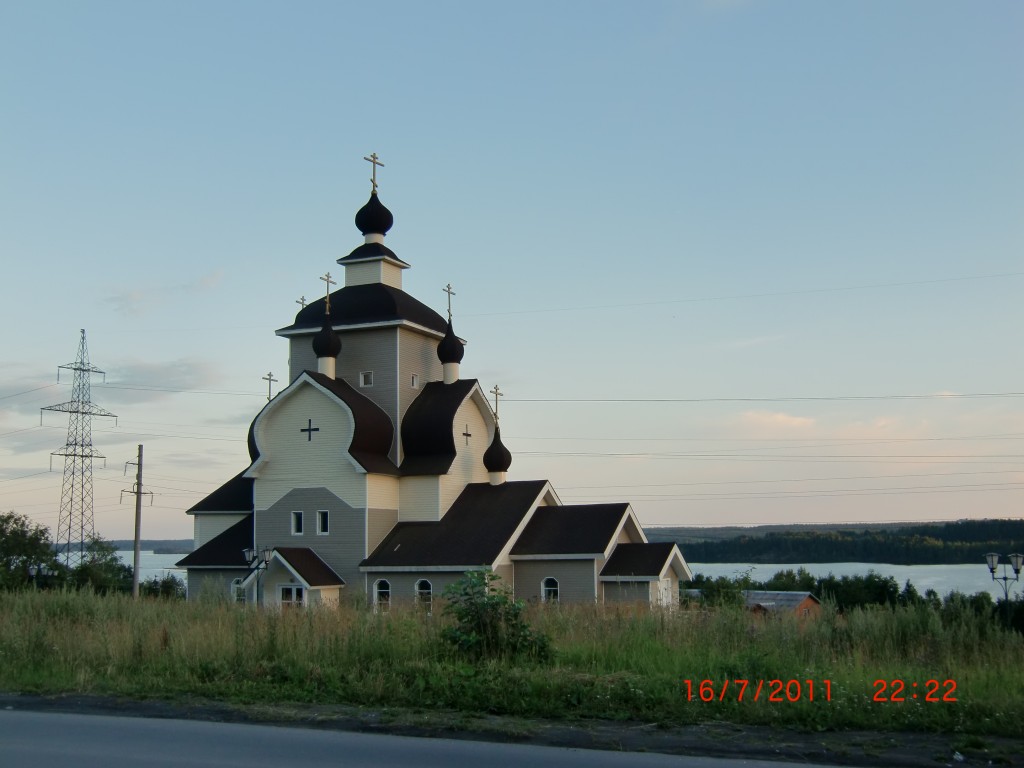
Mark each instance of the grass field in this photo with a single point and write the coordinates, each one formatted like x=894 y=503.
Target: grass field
x=627 y=663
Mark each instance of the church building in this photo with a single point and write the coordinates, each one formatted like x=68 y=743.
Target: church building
x=379 y=472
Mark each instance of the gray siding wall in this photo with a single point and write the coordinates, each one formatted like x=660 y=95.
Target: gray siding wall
x=417 y=354
x=403 y=584
x=300 y=357
x=627 y=591
x=577 y=580
x=343 y=548
x=206 y=583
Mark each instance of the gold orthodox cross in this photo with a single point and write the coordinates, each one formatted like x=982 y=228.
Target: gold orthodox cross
x=373 y=159
x=269 y=378
x=497 y=393
x=327 y=279
x=448 y=289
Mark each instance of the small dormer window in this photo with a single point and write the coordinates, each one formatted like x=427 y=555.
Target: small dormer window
x=366 y=379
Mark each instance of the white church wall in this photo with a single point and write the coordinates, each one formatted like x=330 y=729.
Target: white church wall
x=291 y=458
x=468 y=466
x=420 y=499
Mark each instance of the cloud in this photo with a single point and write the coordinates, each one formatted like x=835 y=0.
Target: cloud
x=775 y=419
x=135 y=302
x=139 y=381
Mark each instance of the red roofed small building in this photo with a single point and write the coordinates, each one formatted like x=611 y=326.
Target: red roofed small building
x=379 y=471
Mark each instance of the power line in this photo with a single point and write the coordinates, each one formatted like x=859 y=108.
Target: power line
x=809 y=399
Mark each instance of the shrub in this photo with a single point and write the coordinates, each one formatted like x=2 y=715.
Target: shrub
x=488 y=622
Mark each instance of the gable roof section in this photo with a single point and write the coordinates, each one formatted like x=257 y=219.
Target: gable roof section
x=472 y=533
x=427 y=437
x=374 y=432
x=371 y=304
x=640 y=560
x=234 y=496
x=223 y=550
x=576 y=529
x=307 y=565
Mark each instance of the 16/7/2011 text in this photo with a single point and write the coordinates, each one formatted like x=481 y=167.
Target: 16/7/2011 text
x=753 y=690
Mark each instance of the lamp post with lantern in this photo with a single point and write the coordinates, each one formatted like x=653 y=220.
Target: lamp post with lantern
x=262 y=560
x=1016 y=561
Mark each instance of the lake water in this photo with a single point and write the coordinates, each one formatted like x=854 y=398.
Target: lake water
x=967 y=578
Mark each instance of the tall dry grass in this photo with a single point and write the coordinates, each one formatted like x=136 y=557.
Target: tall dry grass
x=619 y=662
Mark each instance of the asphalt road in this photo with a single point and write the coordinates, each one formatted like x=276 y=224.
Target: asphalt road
x=57 y=740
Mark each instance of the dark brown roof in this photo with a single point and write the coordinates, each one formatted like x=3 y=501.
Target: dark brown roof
x=373 y=432
x=362 y=304
x=638 y=559
x=310 y=567
x=234 y=496
x=576 y=529
x=223 y=550
x=473 y=532
x=427 y=437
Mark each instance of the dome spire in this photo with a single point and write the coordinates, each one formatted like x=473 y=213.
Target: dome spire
x=373 y=219
x=497 y=458
x=326 y=344
x=450 y=350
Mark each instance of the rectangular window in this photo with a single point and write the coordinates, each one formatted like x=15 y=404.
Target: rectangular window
x=323 y=522
x=366 y=379
x=296 y=523
x=292 y=597
x=415 y=381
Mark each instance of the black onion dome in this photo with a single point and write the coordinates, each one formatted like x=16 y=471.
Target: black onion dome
x=450 y=350
x=373 y=218
x=497 y=457
x=326 y=343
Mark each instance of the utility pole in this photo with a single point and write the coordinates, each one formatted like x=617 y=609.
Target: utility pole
x=137 y=492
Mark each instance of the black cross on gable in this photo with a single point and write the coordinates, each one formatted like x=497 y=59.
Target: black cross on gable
x=309 y=430
x=467 y=434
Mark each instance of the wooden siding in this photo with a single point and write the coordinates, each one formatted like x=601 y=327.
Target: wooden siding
x=379 y=523
x=577 y=579
x=403 y=584
x=289 y=459
x=206 y=527
x=343 y=548
x=300 y=356
x=382 y=491
x=421 y=498
x=468 y=466
x=370 y=272
x=376 y=350
x=627 y=591
x=212 y=583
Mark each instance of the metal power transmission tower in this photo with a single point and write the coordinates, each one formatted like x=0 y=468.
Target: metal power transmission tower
x=76 y=527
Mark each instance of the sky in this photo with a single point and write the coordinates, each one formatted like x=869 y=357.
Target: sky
x=733 y=261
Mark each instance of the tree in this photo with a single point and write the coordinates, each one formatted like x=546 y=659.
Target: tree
x=102 y=569
x=23 y=544
x=170 y=586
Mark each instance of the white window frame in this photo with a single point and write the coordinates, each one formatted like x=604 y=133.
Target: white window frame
x=298 y=517
x=296 y=590
x=323 y=522
x=424 y=597
x=415 y=381
x=378 y=604
x=237 y=591
x=544 y=590
x=365 y=379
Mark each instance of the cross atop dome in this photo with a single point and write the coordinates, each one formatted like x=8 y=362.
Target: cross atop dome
x=375 y=162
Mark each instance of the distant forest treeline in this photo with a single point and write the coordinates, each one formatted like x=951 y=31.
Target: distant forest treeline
x=965 y=541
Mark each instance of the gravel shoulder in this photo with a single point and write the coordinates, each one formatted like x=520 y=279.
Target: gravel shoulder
x=856 y=748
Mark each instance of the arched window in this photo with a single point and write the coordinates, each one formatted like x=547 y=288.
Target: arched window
x=424 y=594
x=549 y=590
x=237 y=591
x=382 y=594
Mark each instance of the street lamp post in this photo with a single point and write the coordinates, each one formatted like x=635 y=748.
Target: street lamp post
x=262 y=560
x=1016 y=561
x=40 y=572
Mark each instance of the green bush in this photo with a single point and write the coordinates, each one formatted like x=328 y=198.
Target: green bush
x=488 y=622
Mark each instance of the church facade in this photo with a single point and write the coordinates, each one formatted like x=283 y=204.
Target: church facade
x=379 y=472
